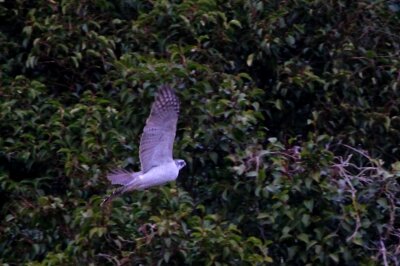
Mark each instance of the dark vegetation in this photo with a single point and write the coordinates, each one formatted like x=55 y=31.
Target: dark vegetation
x=290 y=126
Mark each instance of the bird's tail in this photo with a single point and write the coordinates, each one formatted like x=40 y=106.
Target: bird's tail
x=122 y=177
x=117 y=192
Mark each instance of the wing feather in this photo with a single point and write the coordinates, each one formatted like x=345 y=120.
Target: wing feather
x=156 y=144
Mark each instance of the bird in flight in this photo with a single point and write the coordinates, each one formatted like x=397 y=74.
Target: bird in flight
x=156 y=145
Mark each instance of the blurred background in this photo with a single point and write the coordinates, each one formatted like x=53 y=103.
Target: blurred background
x=289 y=124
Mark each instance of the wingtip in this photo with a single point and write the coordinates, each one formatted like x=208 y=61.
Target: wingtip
x=165 y=87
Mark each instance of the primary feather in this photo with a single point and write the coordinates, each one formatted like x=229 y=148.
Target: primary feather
x=156 y=143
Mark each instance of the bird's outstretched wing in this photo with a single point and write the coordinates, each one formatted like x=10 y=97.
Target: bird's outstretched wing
x=156 y=143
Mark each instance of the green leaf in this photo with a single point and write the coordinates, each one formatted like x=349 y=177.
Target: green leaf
x=334 y=257
x=303 y=237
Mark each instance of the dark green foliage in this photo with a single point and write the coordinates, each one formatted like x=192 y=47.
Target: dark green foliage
x=269 y=89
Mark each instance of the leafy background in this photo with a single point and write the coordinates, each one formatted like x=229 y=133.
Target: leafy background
x=290 y=126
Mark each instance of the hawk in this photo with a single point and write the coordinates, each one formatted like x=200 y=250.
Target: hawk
x=156 y=144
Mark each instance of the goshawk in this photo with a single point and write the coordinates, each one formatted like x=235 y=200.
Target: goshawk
x=155 y=151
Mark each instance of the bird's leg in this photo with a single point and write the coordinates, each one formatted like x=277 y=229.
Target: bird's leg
x=117 y=192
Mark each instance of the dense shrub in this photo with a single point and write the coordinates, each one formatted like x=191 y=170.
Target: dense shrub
x=275 y=96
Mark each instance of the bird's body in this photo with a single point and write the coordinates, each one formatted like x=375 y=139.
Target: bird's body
x=156 y=145
x=155 y=176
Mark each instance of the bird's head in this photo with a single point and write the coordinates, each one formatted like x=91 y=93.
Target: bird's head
x=180 y=163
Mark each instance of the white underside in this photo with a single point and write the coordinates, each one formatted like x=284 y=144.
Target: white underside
x=155 y=176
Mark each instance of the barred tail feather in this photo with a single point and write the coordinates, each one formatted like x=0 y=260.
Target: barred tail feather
x=121 y=177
